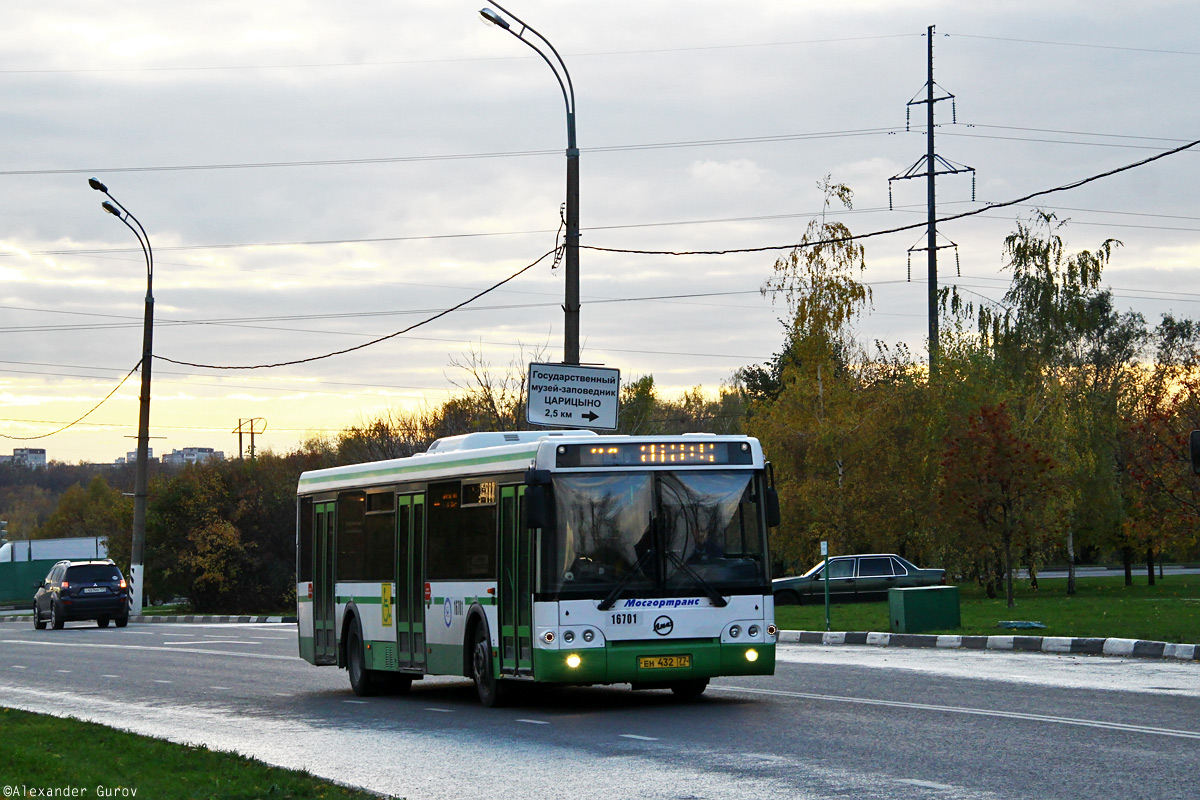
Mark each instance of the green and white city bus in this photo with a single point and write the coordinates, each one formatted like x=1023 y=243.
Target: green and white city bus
x=553 y=557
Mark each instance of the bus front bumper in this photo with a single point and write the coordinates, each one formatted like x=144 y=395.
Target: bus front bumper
x=646 y=661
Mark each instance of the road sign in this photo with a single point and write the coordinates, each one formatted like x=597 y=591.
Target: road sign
x=573 y=397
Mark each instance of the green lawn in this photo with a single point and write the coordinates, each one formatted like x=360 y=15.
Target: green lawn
x=1102 y=607
x=48 y=753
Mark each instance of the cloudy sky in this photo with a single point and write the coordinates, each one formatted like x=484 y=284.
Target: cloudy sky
x=315 y=175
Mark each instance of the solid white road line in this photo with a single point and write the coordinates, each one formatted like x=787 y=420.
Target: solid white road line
x=982 y=712
x=160 y=649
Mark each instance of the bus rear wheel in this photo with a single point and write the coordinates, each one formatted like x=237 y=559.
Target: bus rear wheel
x=360 y=677
x=491 y=690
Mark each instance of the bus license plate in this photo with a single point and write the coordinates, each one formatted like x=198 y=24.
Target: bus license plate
x=664 y=662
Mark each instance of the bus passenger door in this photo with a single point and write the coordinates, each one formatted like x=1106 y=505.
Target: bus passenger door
x=324 y=607
x=409 y=601
x=515 y=588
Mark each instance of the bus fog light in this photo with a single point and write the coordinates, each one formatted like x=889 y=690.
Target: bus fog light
x=568 y=636
x=752 y=655
x=573 y=661
x=735 y=631
x=589 y=635
x=772 y=630
x=752 y=631
x=548 y=637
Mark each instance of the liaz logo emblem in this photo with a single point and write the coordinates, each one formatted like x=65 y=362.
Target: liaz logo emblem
x=663 y=626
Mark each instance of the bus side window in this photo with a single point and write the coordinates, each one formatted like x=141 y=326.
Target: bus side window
x=304 y=556
x=461 y=542
x=351 y=535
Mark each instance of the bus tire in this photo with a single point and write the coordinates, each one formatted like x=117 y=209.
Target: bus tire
x=689 y=690
x=491 y=690
x=361 y=680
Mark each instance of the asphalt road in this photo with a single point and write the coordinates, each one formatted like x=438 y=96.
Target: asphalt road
x=858 y=722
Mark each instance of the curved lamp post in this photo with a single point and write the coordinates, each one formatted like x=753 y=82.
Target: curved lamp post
x=571 y=305
x=136 y=550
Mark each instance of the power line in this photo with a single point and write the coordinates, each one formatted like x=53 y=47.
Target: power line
x=342 y=162
x=414 y=326
x=990 y=206
x=424 y=61
x=618 y=148
x=915 y=226
x=81 y=419
x=1079 y=44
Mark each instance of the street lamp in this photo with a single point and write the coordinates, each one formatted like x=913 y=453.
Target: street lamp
x=571 y=305
x=140 y=481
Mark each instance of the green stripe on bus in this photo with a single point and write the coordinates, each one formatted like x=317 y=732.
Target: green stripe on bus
x=483 y=601
x=375 y=600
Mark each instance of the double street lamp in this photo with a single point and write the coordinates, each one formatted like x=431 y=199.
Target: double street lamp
x=136 y=550
x=571 y=304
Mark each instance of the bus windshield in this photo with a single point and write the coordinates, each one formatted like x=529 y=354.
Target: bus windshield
x=683 y=532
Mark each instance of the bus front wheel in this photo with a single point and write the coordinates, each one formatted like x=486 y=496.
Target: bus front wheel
x=491 y=690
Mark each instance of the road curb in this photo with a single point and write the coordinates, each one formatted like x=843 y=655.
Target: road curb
x=1136 y=648
x=28 y=618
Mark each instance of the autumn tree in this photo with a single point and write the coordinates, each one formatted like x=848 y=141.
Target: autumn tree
x=992 y=481
x=1058 y=336
x=807 y=405
x=98 y=510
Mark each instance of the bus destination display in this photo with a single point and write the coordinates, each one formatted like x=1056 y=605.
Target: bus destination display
x=646 y=454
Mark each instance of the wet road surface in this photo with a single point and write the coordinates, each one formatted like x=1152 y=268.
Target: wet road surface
x=834 y=721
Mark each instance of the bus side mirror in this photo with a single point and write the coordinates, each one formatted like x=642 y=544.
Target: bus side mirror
x=773 y=515
x=1194 y=446
x=537 y=511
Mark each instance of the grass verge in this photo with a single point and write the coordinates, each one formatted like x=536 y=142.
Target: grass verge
x=1102 y=607
x=63 y=755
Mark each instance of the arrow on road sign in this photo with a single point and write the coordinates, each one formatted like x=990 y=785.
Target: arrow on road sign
x=590 y=416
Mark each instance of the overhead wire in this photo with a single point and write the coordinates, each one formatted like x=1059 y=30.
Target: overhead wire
x=375 y=341
x=915 y=226
x=80 y=419
x=461 y=59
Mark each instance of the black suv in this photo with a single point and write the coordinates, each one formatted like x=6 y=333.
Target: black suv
x=82 y=590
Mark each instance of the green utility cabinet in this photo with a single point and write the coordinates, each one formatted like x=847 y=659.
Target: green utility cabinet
x=924 y=608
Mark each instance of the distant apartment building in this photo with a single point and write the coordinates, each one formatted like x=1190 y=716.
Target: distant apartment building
x=131 y=457
x=193 y=455
x=29 y=456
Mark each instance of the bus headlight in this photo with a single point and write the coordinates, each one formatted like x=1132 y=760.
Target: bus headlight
x=548 y=637
x=772 y=630
x=752 y=631
x=573 y=661
x=735 y=631
x=752 y=655
x=589 y=635
x=568 y=636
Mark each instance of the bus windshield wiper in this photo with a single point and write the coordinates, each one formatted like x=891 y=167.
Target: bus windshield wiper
x=713 y=594
x=615 y=594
